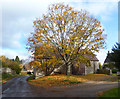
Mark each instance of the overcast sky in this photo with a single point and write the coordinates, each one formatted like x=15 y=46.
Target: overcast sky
x=17 y=16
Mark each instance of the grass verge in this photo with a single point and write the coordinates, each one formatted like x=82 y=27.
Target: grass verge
x=6 y=76
x=30 y=78
x=115 y=92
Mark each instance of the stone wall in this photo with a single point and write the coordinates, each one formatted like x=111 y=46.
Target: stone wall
x=38 y=73
x=78 y=70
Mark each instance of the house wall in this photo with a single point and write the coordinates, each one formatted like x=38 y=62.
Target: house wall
x=93 y=68
x=61 y=70
x=38 y=73
x=24 y=69
x=78 y=70
x=7 y=70
x=73 y=69
x=23 y=72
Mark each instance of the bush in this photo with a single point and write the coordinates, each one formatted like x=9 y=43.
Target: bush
x=14 y=65
x=109 y=65
x=103 y=71
x=114 y=70
x=100 y=66
x=18 y=70
x=7 y=75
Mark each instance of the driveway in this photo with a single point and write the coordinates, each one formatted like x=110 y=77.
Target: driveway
x=18 y=87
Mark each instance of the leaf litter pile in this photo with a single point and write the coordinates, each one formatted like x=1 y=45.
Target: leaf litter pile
x=62 y=80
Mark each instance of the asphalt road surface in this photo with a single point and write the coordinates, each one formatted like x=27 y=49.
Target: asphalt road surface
x=18 y=87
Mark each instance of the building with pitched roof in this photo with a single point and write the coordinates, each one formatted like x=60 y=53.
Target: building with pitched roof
x=82 y=69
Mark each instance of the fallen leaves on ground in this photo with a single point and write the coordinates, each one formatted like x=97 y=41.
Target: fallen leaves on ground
x=61 y=80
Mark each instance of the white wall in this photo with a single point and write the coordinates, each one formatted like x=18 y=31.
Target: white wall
x=91 y=69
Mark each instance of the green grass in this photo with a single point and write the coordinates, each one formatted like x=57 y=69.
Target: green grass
x=114 y=73
x=65 y=80
x=52 y=83
x=7 y=76
x=30 y=78
x=115 y=92
x=49 y=78
x=72 y=82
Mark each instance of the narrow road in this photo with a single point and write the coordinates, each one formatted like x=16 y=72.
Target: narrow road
x=18 y=87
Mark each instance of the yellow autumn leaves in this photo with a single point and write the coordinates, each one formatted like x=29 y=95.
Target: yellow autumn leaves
x=63 y=32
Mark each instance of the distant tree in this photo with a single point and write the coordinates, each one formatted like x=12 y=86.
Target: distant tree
x=5 y=61
x=100 y=66
x=45 y=59
x=115 y=55
x=13 y=60
x=110 y=65
x=14 y=65
x=17 y=59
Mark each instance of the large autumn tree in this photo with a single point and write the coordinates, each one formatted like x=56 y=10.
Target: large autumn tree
x=67 y=33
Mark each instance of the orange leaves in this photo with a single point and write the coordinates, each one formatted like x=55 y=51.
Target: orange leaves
x=51 y=37
x=40 y=56
x=58 y=80
x=101 y=39
x=35 y=63
x=73 y=11
x=102 y=42
x=90 y=41
x=67 y=50
x=34 y=42
x=60 y=18
x=56 y=7
x=62 y=53
x=70 y=8
x=74 y=20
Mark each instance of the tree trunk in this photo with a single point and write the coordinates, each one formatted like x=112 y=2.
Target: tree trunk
x=46 y=72
x=68 y=68
x=35 y=72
